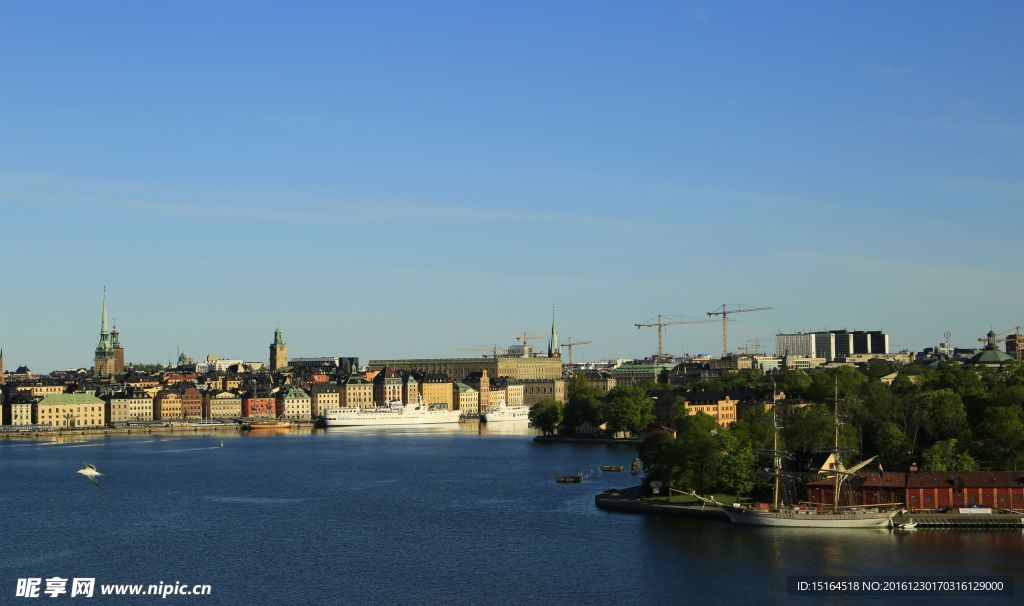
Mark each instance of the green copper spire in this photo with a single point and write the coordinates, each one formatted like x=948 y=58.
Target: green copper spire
x=554 y=349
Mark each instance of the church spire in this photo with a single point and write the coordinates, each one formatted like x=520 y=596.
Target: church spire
x=554 y=349
x=105 y=326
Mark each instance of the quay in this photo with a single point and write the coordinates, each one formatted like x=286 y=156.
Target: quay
x=627 y=500
x=960 y=520
x=143 y=430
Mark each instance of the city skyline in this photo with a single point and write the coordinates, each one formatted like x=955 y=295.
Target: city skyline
x=766 y=345
x=408 y=181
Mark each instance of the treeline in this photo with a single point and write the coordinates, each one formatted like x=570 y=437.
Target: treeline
x=948 y=418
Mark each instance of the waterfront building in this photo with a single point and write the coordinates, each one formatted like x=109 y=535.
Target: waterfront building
x=167 y=405
x=221 y=405
x=104 y=364
x=466 y=398
x=18 y=410
x=191 y=402
x=324 y=396
x=356 y=392
x=70 y=410
x=437 y=389
x=128 y=406
x=387 y=386
x=278 y=351
x=254 y=405
x=929 y=490
x=481 y=382
x=217 y=364
x=410 y=389
x=513 y=391
x=550 y=389
x=294 y=403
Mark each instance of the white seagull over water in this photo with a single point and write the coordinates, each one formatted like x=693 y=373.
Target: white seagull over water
x=90 y=472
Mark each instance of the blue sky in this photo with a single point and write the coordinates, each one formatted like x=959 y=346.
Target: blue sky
x=389 y=179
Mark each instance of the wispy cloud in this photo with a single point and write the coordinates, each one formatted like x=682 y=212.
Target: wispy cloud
x=899 y=267
x=1002 y=189
x=124 y=196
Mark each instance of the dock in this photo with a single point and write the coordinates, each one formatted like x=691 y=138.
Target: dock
x=959 y=520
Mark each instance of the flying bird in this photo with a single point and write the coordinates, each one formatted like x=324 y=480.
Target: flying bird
x=89 y=471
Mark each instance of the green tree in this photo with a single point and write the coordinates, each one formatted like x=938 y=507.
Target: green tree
x=793 y=382
x=584 y=405
x=628 y=409
x=700 y=450
x=1003 y=441
x=944 y=415
x=946 y=456
x=546 y=416
x=754 y=428
x=892 y=445
x=663 y=459
x=736 y=470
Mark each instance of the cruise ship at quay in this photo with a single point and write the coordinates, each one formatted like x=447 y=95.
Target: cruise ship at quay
x=395 y=413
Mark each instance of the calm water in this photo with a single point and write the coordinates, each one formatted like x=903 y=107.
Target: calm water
x=411 y=516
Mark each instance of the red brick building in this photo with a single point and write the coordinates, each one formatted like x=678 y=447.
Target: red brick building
x=930 y=489
x=256 y=406
x=191 y=403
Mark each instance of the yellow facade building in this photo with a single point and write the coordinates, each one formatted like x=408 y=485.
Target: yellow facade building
x=70 y=411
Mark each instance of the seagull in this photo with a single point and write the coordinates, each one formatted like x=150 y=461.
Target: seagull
x=90 y=472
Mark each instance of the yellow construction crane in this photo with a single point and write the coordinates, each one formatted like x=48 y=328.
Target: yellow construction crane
x=661 y=324
x=494 y=351
x=570 y=344
x=727 y=310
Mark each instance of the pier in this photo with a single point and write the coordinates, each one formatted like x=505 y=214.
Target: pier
x=960 y=520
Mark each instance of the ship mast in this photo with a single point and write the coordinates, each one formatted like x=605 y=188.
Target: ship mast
x=835 y=452
x=777 y=461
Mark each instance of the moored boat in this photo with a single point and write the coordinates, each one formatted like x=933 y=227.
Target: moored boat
x=506 y=413
x=395 y=413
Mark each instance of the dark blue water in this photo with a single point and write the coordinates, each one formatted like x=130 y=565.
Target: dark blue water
x=400 y=516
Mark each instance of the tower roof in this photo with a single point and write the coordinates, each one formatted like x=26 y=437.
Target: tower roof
x=554 y=348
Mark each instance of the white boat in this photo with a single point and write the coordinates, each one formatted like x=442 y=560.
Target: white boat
x=395 y=413
x=506 y=413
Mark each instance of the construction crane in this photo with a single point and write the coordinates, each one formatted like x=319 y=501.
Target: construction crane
x=525 y=340
x=570 y=344
x=727 y=310
x=1015 y=338
x=494 y=351
x=661 y=324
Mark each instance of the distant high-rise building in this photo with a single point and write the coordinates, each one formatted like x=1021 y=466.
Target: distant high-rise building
x=104 y=364
x=832 y=344
x=278 y=351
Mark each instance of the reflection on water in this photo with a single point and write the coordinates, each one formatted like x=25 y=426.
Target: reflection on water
x=456 y=514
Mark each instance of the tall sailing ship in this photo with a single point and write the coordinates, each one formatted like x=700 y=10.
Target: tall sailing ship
x=831 y=515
